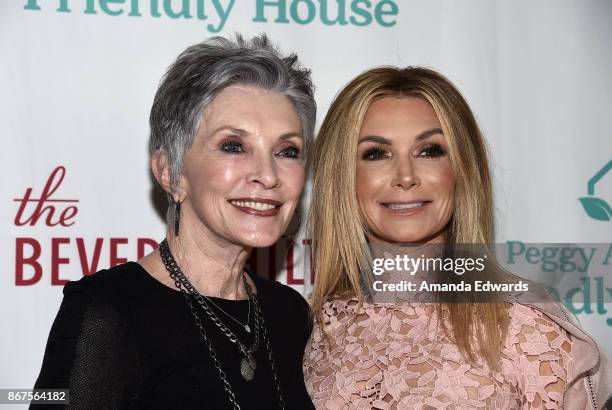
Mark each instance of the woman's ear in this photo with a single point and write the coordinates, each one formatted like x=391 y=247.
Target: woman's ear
x=161 y=170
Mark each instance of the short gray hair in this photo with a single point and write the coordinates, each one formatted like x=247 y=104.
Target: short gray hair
x=203 y=70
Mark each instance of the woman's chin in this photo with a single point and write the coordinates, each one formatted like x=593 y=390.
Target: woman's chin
x=408 y=237
x=258 y=239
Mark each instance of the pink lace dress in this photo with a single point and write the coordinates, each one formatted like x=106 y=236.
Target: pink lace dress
x=394 y=356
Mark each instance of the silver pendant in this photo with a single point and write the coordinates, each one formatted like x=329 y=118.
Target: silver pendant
x=247 y=368
x=247 y=328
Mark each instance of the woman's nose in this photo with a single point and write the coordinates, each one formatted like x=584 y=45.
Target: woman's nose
x=264 y=171
x=405 y=176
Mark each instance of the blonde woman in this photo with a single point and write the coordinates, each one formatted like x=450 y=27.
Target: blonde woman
x=400 y=159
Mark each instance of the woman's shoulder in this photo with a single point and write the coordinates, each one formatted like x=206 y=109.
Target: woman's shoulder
x=543 y=329
x=549 y=319
x=549 y=347
x=90 y=332
x=533 y=333
x=273 y=290
x=98 y=307
x=119 y=278
x=103 y=294
x=348 y=305
x=287 y=304
x=527 y=314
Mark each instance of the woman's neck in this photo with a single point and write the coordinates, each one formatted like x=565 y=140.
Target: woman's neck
x=395 y=262
x=213 y=265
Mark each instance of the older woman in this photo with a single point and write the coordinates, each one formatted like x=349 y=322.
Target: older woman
x=186 y=327
x=400 y=159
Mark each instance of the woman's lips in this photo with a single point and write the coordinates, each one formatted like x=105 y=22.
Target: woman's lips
x=256 y=206
x=404 y=208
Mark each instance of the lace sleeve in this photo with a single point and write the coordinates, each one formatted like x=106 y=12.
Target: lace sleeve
x=88 y=351
x=540 y=353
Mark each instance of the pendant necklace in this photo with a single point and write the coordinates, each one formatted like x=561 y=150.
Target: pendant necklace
x=247 y=363
x=245 y=326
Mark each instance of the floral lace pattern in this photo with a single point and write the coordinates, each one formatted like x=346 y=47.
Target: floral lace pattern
x=394 y=356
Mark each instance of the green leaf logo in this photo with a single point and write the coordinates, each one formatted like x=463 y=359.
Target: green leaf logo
x=596 y=208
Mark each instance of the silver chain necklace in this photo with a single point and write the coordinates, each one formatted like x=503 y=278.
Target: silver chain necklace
x=245 y=325
x=247 y=364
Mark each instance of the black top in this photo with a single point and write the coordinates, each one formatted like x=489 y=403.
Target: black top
x=122 y=339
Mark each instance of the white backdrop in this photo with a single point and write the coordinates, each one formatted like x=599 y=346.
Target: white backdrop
x=77 y=83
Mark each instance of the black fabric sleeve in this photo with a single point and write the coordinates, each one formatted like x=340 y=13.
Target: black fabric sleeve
x=90 y=350
x=300 y=320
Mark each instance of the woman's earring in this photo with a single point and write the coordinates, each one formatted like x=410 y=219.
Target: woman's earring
x=177 y=217
x=299 y=222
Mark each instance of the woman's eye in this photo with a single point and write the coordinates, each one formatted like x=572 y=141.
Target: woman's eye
x=374 y=154
x=432 y=151
x=290 y=152
x=232 y=147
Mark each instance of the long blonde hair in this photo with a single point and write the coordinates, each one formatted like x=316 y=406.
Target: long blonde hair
x=337 y=228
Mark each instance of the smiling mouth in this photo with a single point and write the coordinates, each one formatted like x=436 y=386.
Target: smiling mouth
x=260 y=206
x=257 y=207
x=404 y=205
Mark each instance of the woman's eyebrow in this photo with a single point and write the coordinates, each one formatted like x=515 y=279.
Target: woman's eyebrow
x=242 y=132
x=428 y=133
x=238 y=131
x=375 y=138
x=382 y=140
x=290 y=135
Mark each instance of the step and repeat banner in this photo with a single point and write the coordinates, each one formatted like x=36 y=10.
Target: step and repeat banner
x=77 y=79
